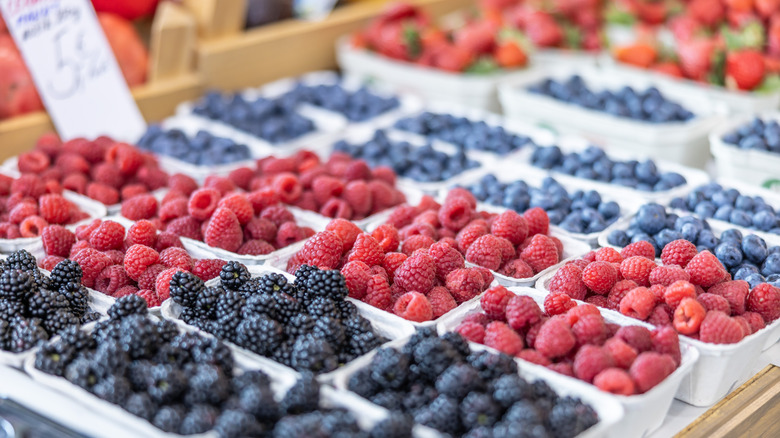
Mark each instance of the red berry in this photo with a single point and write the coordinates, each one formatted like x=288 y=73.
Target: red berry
x=600 y=277
x=568 y=280
x=622 y=354
x=666 y=341
x=456 y=213
x=666 y=275
x=764 y=300
x=441 y=301
x=638 y=303
x=55 y=209
x=649 y=369
x=203 y=202
x=705 y=269
x=590 y=329
x=555 y=338
x=176 y=258
x=485 y=253
x=183 y=183
x=678 y=291
x=541 y=253
x=111 y=279
x=387 y=236
x=735 y=292
x=638 y=337
x=678 y=252
x=149 y=277
x=615 y=381
x=415 y=242
x=277 y=214
x=589 y=361
x=608 y=255
x=239 y=205
x=392 y=261
x=358 y=195
x=92 y=262
x=537 y=220
x=637 y=268
x=718 y=328
x=472 y=331
x=558 y=303
x=378 y=293
x=500 y=336
x=413 y=306
x=641 y=248
x=140 y=207
x=323 y=250
x=356 y=274
x=517 y=269
x=494 y=302
x=464 y=284
x=137 y=259
x=619 y=291
x=206 y=269
x=108 y=235
x=714 y=302
x=688 y=316
x=417 y=273
x=346 y=231
x=57 y=240
x=511 y=226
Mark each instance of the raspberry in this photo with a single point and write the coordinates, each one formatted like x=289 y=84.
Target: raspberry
x=413 y=306
x=91 y=262
x=541 y=253
x=429 y=218
x=392 y=261
x=402 y=216
x=288 y=187
x=346 y=231
x=417 y=273
x=140 y=207
x=413 y=243
x=641 y=248
x=387 y=236
x=108 y=235
x=714 y=302
x=487 y=276
x=735 y=292
x=608 y=255
x=142 y=232
x=555 y=339
x=262 y=199
x=107 y=174
x=278 y=215
x=224 y=230
x=755 y=320
x=21 y=211
x=57 y=240
x=176 y=258
x=597 y=300
x=472 y=331
x=638 y=303
x=568 y=280
x=705 y=269
x=378 y=293
x=537 y=220
x=666 y=275
x=688 y=316
x=150 y=296
x=494 y=302
x=619 y=291
x=149 y=276
x=203 y=202
x=378 y=270
x=323 y=250
x=615 y=381
x=666 y=341
x=678 y=291
x=537 y=358
x=206 y=269
x=500 y=336
x=103 y=193
x=54 y=209
x=33 y=162
x=744 y=325
x=637 y=268
x=659 y=316
x=167 y=240
x=623 y=355
x=589 y=361
x=382 y=195
x=590 y=329
x=600 y=277
x=575 y=313
x=260 y=229
x=110 y=279
x=456 y=213
x=441 y=301
x=446 y=258
x=477 y=318
x=137 y=259
x=483 y=252
x=649 y=369
x=49 y=262
x=289 y=233
x=78 y=246
x=358 y=195
x=182 y=183
x=367 y=250
x=326 y=188
x=511 y=226
x=764 y=299
x=187 y=226
x=356 y=274
x=678 y=252
x=638 y=337
x=219 y=183
x=127 y=158
x=357 y=170
x=470 y=233
x=255 y=247
x=76 y=182
x=241 y=177
x=464 y=284
x=557 y=303
x=239 y=205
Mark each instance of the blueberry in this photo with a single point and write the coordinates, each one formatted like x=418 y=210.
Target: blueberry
x=740 y=218
x=651 y=218
x=754 y=248
x=707 y=240
x=678 y=204
x=664 y=237
x=744 y=271
x=690 y=232
x=754 y=280
x=731 y=138
x=609 y=210
x=764 y=220
x=646 y=172
x=771 y=265
x=723 y=213
x=753 y=141
x=729 y=254
x=705 y=209
x=618 y=238
x=744 y=203
x=721 y=198
x=592 y=198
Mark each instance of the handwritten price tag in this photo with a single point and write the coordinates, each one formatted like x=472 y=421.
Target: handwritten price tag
x=73 y=67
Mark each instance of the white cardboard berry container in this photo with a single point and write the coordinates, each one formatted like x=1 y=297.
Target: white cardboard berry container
x=387 y=325
x=34 y=245
x=750 y=166
x=680 y=142
x=610 y=412
x=720 y=368
x=644 y=413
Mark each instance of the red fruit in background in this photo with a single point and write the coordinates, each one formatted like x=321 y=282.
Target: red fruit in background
x=17 y=90
x=668 y=68
x=130 y=52
x=696 y=57
x=478 y=37
x=766 y=8
x=707 y=12
x=651 y=12
x=453 y=58
x=640 y=54
x=684 y=27
x=745 y=68
x=542 y=29
x=509 y=55
x=128 y=9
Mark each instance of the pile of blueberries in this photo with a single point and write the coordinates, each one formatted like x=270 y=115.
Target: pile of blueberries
x=758 y=134
x=580 y=212
x=464 y=133
x=746 y=257
x=594 y=164
x=647 y=106
x=728 y=204
x=357 y=106
x=202 y=149
x=422 y=164
x=275 y=121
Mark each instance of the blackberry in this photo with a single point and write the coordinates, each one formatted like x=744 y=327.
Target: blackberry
x=299 y=325
x=260 y=334
x=492 y=365
x=90 y=317
x=113 y=389
x=10 y=309
x=167 y=383
x=127 y=305
x=229 y=304
x=510 y=389
x=141 y=405
x=199 y=419
x=185 y=288
x=283 y=354
x=345 y=356
x=286 y=307
x=58 y=321
x=39 y=280
x=458 y=380
x=524 y=411
x=78 y=339
x=260 y=304
x=167 y=330
x=82 y=372
x=21 y=260
x=206 y=302
x=5 y=333
x=570 y=417
x=394 y=426
x=442 y=415
x=213 y=352
x=234 y=424
x=336 y=421
x=346 y=309
x=273 y=283
x=458 y=343
x=171 y=355
x=303 y=396
x=112 y=357
x=249 y=378
x=66 y=271
x=15 y=285
x=362 y=384
x=169 y=419
x=300 y=426
x=26 y=334
x=330 y=329
x=356 y=324
x=190 y=316
x=543 y=391
x=207 y=384
x=54 y=357
x=418 y=396
x=362 y=343
x=139 y=337
x=107 y=329
x=302 y=275
x=260 y=403
x=479 y=409
x=328 y=284
x=508 y=429
x=321 y=306
x=390 y=368
x=432 y=356
x=313 y=354
x=233 y=275
x=480 y=432
x=389 y=399
x=226 y=328
x=139 y=373
x=421 y=334
x=77 y=297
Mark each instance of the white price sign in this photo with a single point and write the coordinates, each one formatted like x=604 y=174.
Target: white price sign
x=74 y=68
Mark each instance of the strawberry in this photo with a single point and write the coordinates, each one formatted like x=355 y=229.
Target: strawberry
x=696 y=57
x=510 y=55
x=543 y=31
x=652 y=12
x=773 y=38
x=668 y=68
x=707 y=12
x=766 y=8
x=477 y=37
x=638 y=54
x=745 y=69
